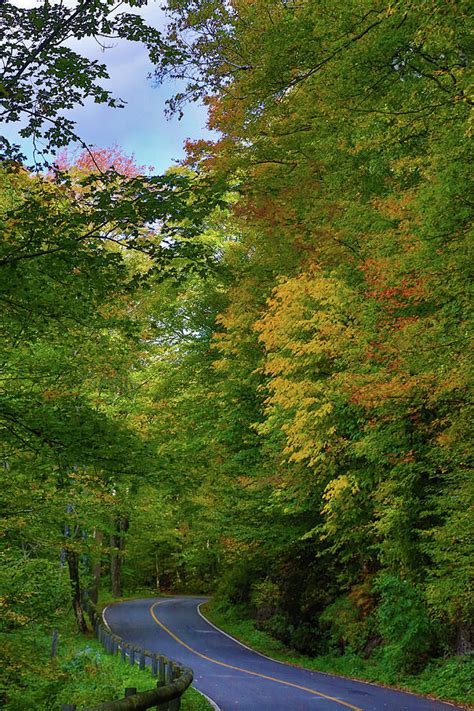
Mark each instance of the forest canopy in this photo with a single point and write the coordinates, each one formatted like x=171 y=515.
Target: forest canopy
x=250 y=375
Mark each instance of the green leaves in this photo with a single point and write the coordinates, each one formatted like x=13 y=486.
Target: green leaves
x=277 y=379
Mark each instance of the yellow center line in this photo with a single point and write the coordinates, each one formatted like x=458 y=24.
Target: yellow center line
x=247 y=671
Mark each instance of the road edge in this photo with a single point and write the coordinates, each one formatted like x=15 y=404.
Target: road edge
x=103 y=617
x=209 y=700
x=454 y=704
x=242 y=644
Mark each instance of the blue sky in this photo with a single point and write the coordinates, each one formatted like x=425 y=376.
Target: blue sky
x=141 y=127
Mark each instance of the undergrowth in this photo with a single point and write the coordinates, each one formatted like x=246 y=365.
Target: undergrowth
x=81 y=673
x=444 y=678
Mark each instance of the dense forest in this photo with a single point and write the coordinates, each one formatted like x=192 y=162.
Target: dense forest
x=248 y=376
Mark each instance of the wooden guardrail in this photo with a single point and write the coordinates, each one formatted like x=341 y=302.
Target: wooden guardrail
x=172 y=678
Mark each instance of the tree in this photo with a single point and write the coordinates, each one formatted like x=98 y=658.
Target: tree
x=73 y=283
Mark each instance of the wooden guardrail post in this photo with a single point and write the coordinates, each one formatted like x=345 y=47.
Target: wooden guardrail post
x=174 y=672
x=54 y=643
x=161 y=671
x=174 y=705
x=167 y=679
x=169 y=672
x=162 y=707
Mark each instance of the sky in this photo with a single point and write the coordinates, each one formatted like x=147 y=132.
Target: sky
x=141 y=127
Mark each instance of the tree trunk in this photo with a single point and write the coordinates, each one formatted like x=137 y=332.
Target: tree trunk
x=157 y=574
x=115 y=571
x=465 y=638
x=97 y=568
x=117 y=543
x=73 y=565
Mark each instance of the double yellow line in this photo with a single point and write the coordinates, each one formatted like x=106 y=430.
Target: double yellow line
x=246 y=671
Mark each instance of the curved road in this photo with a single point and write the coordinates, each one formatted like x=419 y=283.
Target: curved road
x=236 y=677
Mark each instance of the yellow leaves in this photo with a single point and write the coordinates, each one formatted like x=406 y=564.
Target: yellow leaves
x=287 y=391
x=11 y=615
x=336 y=488
x=305 y=315
x=309 y=325
x=53 y=394
x=338 y=495
x=308 y=425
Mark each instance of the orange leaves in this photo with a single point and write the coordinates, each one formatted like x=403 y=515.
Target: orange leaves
x=233 y=548
x=99 y=160
x=199 y=153
x=267 y=213
x=388 y=290
x=370 y=391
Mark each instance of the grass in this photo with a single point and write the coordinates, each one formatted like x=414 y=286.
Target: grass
x=81 y=673
x=107 y=677
x=194 y=701
x=448 y=679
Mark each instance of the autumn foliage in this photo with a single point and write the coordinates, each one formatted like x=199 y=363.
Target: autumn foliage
x=98 y=160
x=343 y=347
x=253 y=374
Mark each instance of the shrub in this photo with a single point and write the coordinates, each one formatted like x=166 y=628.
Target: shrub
x=403 y=623
x=350 y=621
x=266 y=599
x=346 y=630
x=307 y=639
x=279 y=626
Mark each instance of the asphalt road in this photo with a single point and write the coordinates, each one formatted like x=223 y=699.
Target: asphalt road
x=236 y=677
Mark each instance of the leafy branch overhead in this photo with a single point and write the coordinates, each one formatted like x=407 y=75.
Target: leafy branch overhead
x=43 y=72
x=154 y=215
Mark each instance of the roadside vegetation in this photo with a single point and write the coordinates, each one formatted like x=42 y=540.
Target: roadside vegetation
x=444 y=678
x=81 y=673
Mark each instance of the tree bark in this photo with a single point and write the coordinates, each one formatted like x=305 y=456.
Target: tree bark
x=157 y=574
x=73 y=566
x=97 y=568
x=465 y=638
x=117 y=543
